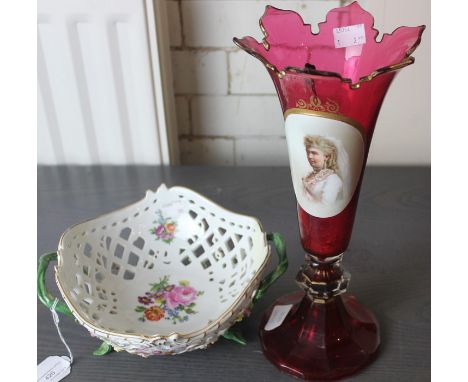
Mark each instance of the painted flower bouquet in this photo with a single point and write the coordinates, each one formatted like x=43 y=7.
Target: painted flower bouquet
x=165 y=228
x=168 y=301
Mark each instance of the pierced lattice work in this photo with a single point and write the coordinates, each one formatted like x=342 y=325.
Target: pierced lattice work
x=174 y=266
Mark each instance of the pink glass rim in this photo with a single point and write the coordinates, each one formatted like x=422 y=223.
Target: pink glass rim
x=299 y=43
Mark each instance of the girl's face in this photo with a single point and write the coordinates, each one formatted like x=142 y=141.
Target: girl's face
x=316 y=158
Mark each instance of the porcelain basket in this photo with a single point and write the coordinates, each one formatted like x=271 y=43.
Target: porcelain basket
x=166 y=275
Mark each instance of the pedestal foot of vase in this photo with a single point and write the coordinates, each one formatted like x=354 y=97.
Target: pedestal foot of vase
x=326 y=335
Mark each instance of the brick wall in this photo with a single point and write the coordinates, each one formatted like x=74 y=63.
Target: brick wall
x=227 y=109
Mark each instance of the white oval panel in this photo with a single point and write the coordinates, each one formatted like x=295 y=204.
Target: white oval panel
x=326 y=157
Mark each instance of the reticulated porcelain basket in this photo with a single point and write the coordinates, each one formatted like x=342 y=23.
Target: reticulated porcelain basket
x=166 y=275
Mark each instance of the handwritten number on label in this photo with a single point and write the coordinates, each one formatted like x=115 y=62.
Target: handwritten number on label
x=349 y=36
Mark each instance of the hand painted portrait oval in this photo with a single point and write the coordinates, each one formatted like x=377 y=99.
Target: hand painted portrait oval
x=326 y=156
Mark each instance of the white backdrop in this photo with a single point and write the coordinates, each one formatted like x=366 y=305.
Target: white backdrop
x=100 y=93
x=101 y=84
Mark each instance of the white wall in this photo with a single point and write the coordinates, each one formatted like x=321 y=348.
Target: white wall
x=227 y=110
x=100 y=94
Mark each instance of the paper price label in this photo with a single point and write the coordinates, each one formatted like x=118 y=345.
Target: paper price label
x=277 y=316
x=53 y=369
x=349 y=36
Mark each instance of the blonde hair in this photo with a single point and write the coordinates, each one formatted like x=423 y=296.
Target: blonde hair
x=326 y=146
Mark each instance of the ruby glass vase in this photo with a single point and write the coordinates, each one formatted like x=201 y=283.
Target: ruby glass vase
x=331 y=86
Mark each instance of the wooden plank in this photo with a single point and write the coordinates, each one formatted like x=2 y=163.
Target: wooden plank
x=46 y=151
x=158 y=32
x=98 y=65
x=55 y=72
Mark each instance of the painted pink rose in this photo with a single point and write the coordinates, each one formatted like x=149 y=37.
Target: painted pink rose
x=180 y=295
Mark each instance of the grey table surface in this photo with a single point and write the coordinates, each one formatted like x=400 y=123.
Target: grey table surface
x=388 y=258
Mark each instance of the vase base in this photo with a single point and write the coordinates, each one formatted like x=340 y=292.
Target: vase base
x=320 y=341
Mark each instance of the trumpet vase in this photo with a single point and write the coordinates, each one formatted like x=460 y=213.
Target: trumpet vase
x=331 y=86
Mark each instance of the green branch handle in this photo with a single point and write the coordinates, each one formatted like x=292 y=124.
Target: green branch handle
x=48 y=300
x=280 y=247
x=233 y=333
x=44 y=295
